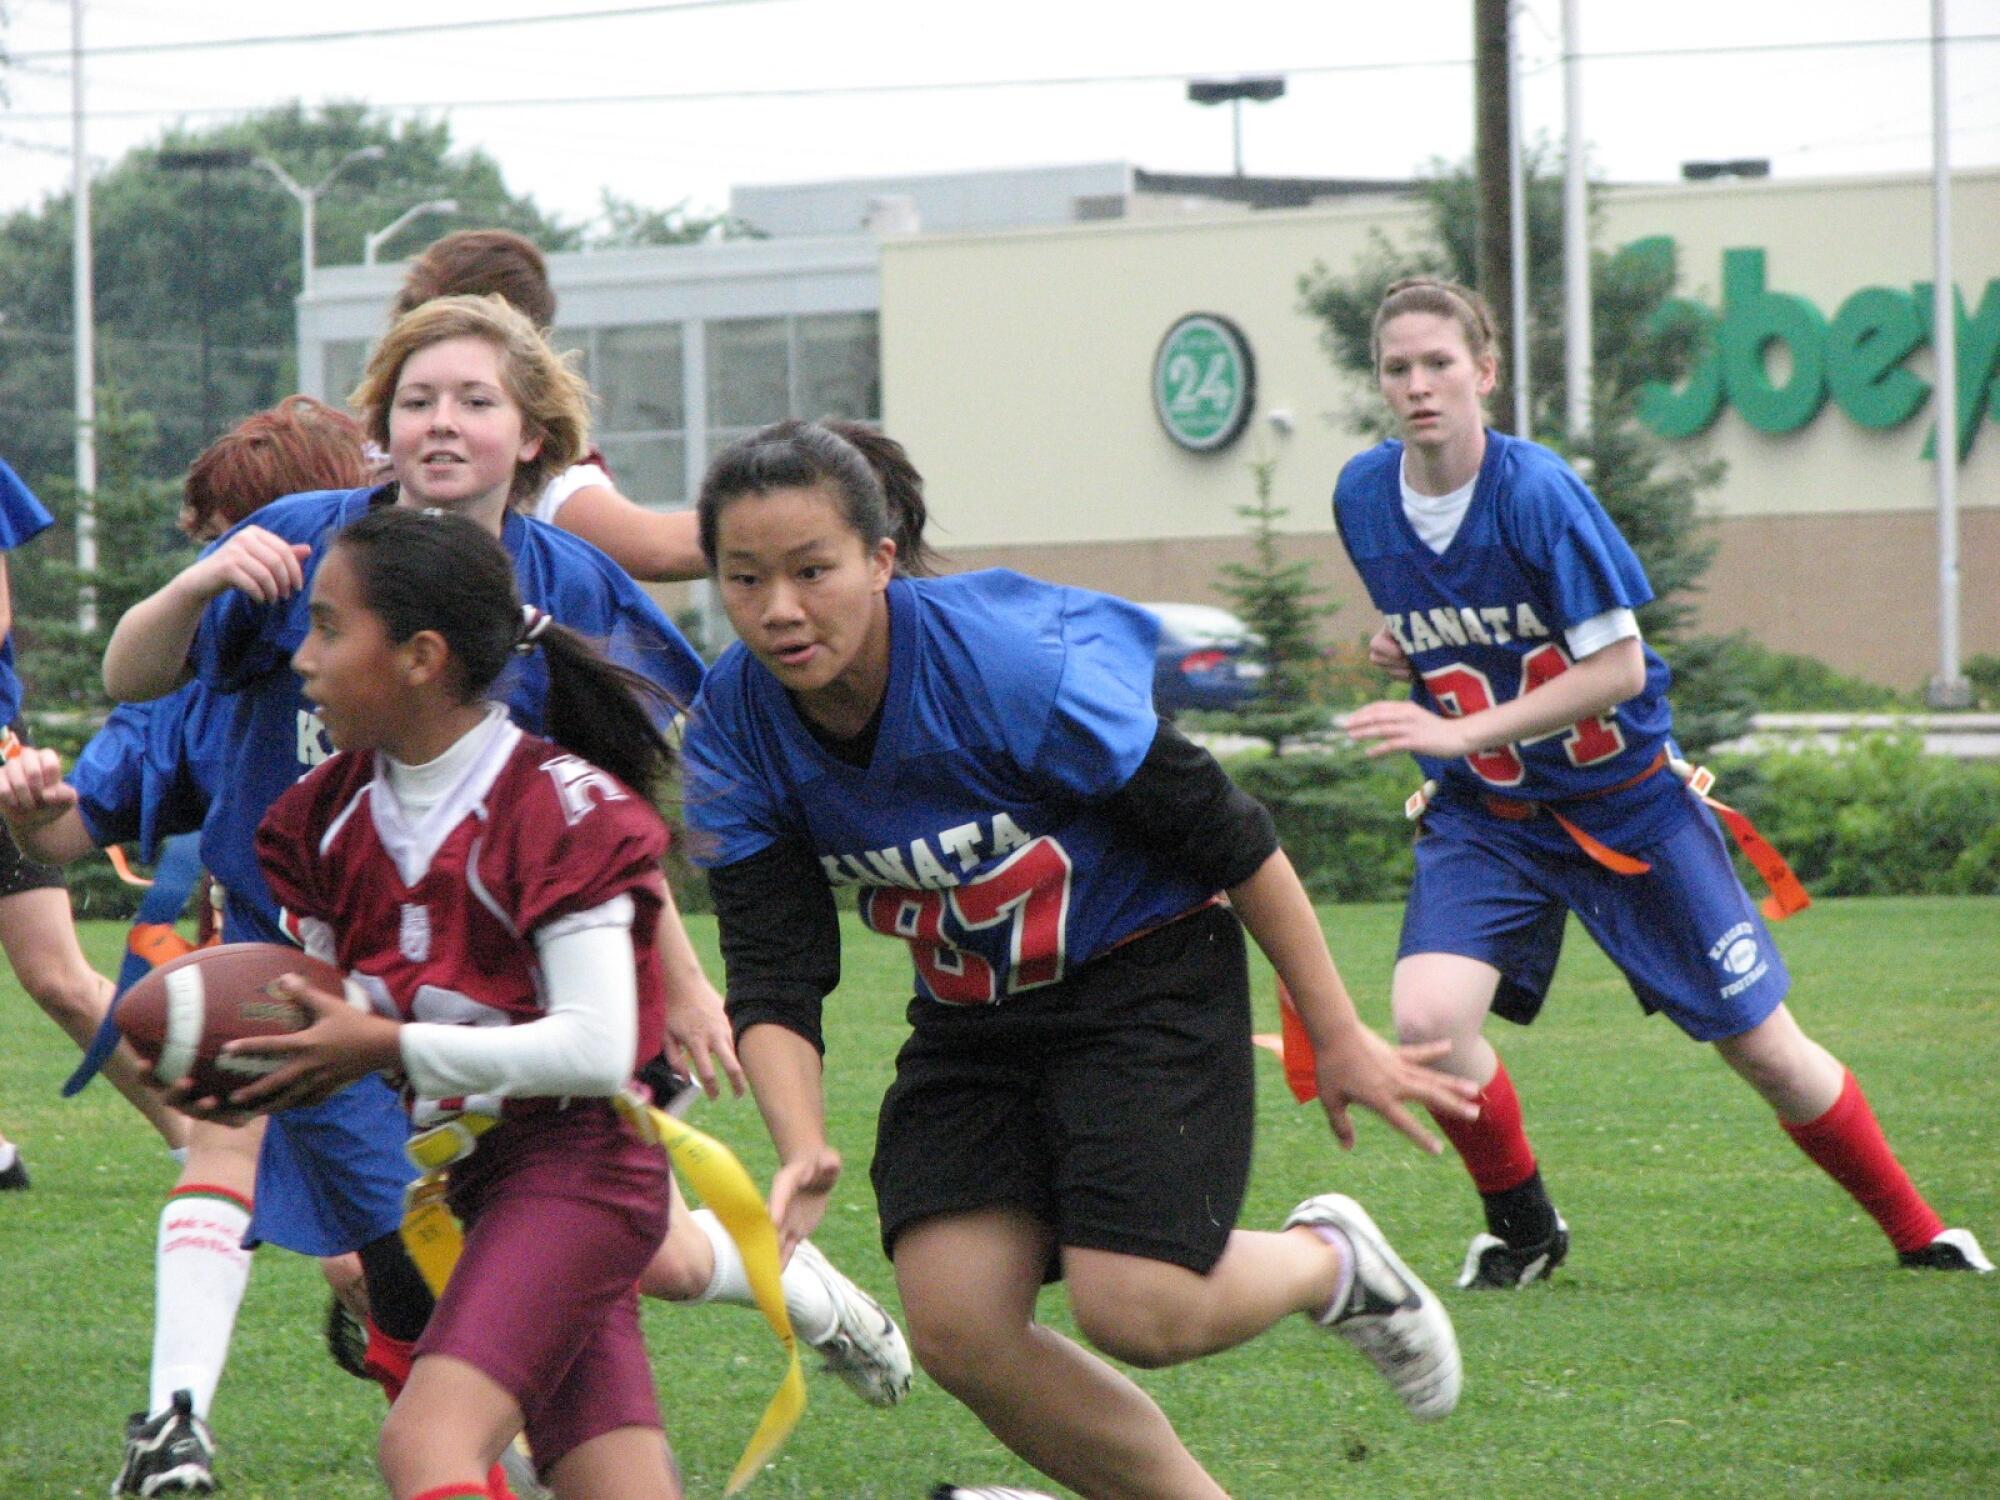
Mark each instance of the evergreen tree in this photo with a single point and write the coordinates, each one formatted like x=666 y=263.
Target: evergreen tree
x=1280 y=604
x=1650 y=491
x=138 y=550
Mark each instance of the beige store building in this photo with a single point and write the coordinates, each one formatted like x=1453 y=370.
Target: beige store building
x=1018 y=367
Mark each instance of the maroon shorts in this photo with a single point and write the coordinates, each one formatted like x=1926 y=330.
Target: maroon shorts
x=562 y=1211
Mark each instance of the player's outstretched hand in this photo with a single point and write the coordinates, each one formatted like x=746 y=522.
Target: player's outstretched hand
x=1363 y=1069
x=339 y=1045
x=1385 y=654
x=699 y=1040
x=256 y=562
x=32 y=789
x=798 y=1196
x=1386 y=727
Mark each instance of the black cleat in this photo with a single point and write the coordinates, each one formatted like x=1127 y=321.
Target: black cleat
x=1952 y=1250
x=347 y=1339
x=171 y=1454
x=1491 y=1264
x=15 y=1178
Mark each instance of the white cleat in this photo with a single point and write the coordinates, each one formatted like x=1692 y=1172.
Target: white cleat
x=1952 y=1250
x=986 y=1492
x=1490 y=1262
x=866 y=1348
x=1390 y=1315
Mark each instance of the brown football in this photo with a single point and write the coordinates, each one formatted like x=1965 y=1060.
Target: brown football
x=178 y=1016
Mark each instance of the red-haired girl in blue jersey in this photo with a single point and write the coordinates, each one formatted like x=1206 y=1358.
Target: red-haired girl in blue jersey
x=1541 y=717
x=975 y=761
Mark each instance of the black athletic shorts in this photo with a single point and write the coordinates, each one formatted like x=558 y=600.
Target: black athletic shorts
x=1116 y=1105
x=18 y=873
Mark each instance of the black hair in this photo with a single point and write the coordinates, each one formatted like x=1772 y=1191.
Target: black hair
x=433 y=570
x=863 y=470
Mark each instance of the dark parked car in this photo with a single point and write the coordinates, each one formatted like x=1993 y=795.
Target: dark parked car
x=1208 y=659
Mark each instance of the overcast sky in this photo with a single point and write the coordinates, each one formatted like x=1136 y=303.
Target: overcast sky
x=800 y=90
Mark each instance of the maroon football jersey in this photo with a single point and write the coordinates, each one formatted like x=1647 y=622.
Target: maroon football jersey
x=435 y=917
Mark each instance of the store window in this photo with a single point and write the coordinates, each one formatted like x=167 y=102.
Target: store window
x=766 y=369
x=640 y=420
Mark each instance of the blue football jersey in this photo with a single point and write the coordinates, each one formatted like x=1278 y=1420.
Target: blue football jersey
x=1013 y=709
x=154 y=769
x=1484 y=621
x=22 y=518
x=243 y=650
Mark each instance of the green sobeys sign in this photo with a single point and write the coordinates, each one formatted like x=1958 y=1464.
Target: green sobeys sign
x=1204 y=382
x=1856 y=358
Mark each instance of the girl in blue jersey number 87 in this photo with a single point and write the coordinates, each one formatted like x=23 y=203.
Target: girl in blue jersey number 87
x=1541 y=716
x=977 y=760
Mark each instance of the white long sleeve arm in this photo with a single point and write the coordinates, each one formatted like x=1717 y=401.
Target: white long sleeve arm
x=584 y=1045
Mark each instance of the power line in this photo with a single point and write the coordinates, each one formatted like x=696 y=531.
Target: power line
x=803 y=91
x=942 y=86
x=488 y=23
x=1746 y=49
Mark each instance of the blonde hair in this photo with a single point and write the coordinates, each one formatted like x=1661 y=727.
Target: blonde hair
x=1444 y=299
x=554 y=401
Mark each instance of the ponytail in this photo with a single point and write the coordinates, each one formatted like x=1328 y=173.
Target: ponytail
x=902 y=492
x=600 y=711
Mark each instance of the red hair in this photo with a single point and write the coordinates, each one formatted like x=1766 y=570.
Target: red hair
x=300 y=444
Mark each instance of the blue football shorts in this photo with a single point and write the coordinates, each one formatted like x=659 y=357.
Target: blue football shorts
x=1686 y=935
x=330 y=1177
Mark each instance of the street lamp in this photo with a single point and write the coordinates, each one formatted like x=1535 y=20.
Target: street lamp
x=309 y=198
x=1259 y=89
x=373 y=241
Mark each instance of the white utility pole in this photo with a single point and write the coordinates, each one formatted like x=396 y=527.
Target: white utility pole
x=1517 y=212
x=1576 y=235
x=1948 y=689
x=83 y=316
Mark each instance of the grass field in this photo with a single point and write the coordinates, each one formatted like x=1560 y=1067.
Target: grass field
x=1729 y=1324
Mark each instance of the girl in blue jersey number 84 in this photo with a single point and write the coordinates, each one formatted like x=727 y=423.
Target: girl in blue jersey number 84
x=976 y=760
x=1541 y=716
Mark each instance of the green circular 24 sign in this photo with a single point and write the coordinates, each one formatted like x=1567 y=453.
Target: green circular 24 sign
x=1204 y=382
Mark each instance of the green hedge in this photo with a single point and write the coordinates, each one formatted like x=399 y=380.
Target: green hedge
x=1876 y=818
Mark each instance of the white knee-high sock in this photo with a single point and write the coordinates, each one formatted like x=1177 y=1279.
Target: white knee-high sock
x=807 y=1300
x=200 y=1272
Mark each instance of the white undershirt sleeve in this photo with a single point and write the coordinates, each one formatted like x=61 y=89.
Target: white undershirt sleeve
x=583 y=1047
x=1599 y=631
x=555 y=494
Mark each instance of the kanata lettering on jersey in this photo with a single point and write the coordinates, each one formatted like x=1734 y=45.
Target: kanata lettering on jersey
x=930 y=864
x=1859 y=358
x=1479 y=625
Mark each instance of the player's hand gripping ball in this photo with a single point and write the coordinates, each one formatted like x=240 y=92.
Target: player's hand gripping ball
x=178 y=1016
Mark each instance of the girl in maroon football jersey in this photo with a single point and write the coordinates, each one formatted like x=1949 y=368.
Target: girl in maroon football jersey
x=498 y=897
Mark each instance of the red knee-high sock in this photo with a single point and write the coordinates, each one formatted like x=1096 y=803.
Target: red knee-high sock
x=1494 y=1147
x=1849 y=1147
x=455 y=1492
x=388 y=1360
